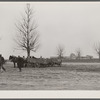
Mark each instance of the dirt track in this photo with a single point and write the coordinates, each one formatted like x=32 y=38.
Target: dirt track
x=67 y=77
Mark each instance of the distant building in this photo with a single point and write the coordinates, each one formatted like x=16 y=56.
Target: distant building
x=89 y=57
x=86 y=57
x=83 y=57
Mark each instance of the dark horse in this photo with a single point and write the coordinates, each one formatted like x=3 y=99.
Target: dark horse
x=14 y=59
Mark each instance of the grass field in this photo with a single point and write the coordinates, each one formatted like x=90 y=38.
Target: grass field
x=71 y=76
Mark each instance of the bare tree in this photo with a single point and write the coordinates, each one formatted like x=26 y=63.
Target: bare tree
x=78 y=53
x=60 y=51
x=27 y=36
x=97 y=49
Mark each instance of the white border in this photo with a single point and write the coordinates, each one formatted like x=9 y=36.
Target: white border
x=49 y=94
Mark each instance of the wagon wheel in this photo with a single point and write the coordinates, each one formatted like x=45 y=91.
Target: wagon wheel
x=36 y=65
x=29 y=64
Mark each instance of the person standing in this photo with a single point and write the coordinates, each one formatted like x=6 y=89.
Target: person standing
x=20 y=63
x=24 y=61
x=1 y=63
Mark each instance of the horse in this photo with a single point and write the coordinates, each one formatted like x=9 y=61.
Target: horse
x=14 y=60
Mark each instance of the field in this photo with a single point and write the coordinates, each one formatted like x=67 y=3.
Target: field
x=71 y=76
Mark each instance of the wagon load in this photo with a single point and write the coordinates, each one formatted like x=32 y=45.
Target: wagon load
x=42 y=62
x=32 y=62
x=56 y=61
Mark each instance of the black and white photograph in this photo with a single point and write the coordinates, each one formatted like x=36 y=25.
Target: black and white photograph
x=50 y=46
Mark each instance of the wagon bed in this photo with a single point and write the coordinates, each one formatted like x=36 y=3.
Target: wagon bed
x=41 y=62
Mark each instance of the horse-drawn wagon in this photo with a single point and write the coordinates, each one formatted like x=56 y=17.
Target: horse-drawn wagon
x=37 y=62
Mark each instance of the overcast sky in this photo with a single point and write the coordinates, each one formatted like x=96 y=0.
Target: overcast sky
x=71 y=24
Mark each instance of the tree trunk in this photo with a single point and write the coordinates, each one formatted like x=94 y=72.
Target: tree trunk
x=28 y=56
x=28 y=53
